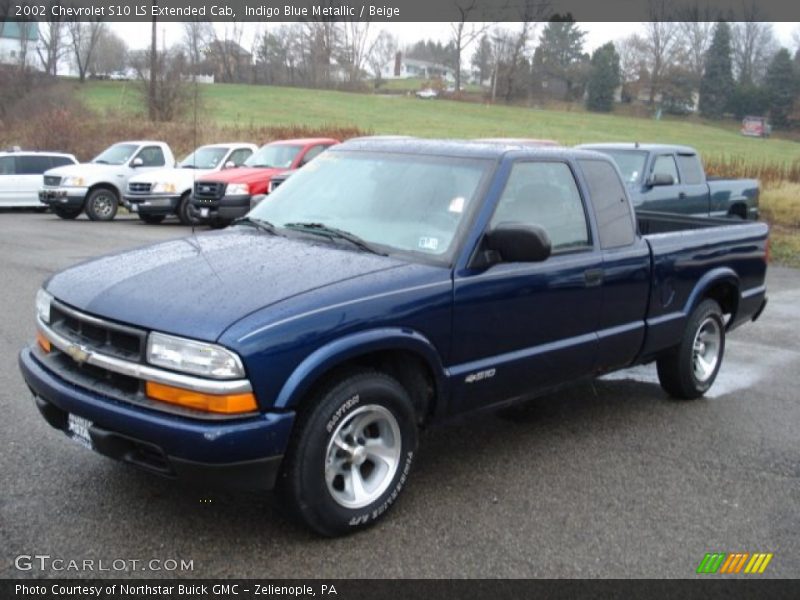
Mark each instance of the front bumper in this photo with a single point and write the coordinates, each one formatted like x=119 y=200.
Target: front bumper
x=244 y=453
x=225 y=209
x=156 y=204
x=71 y=197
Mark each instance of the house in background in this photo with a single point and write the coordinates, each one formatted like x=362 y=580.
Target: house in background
x=228 y=62
x=18 y=42
x=404 y=68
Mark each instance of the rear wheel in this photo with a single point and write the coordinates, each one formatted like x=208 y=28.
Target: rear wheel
x=101 y=205
x=66 y=213
x=351 y=454
x=689 y=370
x=152 y=219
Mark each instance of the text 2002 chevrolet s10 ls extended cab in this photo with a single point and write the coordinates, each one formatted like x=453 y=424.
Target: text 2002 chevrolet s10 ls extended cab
x=386 y=285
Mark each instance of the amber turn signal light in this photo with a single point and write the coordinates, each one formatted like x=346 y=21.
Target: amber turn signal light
x=43 y=342
x=217 y=403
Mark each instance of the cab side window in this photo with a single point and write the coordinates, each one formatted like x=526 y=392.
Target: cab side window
x=665 y=165
x=238 y=157
x=152 y=156
x=545 y=194
x=615 y=222
x=60 y=161
x=33 y=165
x=312 y=153
x=7 y=165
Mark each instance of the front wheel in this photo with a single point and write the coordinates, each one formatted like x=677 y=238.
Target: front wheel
x=688 y=371
x=351 y=454
x=101 y=205
x=185 y=210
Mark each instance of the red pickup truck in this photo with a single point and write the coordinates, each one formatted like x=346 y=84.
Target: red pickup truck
x=221 y=197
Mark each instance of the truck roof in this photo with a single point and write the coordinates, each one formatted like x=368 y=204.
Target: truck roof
x=461 y=148
x=637 y=146
x=141 y=142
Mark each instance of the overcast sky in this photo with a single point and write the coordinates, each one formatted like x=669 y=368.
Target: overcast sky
x=137 y=35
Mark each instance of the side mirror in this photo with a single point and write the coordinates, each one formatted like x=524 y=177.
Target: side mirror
x=137 y=162
x=657 y=179
x=229 y=165
x=515 y=242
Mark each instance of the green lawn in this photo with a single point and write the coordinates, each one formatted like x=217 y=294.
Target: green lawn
x=382 y=114
x=413 y=84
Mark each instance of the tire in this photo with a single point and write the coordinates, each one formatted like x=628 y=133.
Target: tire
x=152 y=219
x=183 y=210
x=330 y=452
x=102 y=205
x=689 y=370
x=66 y=213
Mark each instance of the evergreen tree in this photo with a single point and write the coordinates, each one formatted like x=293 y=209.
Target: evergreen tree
x=560 y=51
x=604 y=78
x=482 y=59
x=716 y=86
x=781 y=88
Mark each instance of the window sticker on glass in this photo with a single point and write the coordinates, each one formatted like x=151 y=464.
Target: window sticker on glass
x=457 y=205
x=429 y=243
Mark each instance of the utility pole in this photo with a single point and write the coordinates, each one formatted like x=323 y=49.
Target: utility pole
x=153 y=63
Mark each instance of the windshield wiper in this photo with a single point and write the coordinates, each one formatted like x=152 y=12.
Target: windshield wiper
x=260 y=166
x=101 y=162
x=335 y=233
x=188 y=167
x=260 y=224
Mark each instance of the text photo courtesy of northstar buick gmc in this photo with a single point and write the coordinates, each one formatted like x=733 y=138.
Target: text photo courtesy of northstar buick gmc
x=389 y=285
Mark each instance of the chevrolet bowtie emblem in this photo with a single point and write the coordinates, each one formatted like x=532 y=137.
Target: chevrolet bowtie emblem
x=78 y=353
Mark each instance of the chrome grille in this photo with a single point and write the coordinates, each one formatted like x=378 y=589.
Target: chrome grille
x=139 y=188
x=204 y=190
x=52 y=180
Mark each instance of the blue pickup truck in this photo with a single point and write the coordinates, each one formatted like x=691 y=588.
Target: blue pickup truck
x=668 y=178
x=385 y=286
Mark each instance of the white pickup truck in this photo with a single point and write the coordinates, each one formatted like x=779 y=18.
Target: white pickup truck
x=157 y=194
x=98 y=186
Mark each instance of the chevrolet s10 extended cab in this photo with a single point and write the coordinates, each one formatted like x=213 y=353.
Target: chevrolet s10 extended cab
x=668 y=178
x=384 y=286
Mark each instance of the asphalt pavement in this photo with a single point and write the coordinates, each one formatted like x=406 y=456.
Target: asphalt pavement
x=610 y=479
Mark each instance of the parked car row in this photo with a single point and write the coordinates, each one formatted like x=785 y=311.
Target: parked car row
x=218 y=183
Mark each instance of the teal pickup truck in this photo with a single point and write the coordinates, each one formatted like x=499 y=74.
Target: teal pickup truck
x=669 y=178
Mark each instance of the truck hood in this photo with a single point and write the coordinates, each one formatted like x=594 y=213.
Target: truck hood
x=200 y=285
x=89 y=170
x=182 y=178
x=242 y=175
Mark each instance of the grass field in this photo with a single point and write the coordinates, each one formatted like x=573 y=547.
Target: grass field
x=383 y=114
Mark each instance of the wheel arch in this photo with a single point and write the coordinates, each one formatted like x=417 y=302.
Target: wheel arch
x=721 y=285
x=406 y=355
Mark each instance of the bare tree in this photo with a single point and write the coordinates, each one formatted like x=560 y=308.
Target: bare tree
x=693 y=42
x=51 y=48
x=197 y=35
x=462 y=35
x=319 y=42
x=83 y=38
x=226 y=52
x=163 y=82
x=632 y=58
x=353 y=48
x=754 y=45
x=662 y=43
x=110 y=55
x=383 y=48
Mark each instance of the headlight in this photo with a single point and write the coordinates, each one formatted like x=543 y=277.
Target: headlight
x=237 y=189
x=73 y=181
x=43 y=300
x=163 y=188
x=189 y=356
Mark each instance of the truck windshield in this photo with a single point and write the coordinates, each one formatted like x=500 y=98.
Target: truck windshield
x=206 y=157
x=408 y=203
x=630 y=163
x=279 y=156
x=116 y=155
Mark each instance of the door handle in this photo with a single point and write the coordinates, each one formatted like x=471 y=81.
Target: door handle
x=682 y=195
x=593 y=277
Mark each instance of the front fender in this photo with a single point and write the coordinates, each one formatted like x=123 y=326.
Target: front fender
x=343 y=349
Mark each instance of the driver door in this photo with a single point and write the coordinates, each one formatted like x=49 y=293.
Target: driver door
x=519 y=327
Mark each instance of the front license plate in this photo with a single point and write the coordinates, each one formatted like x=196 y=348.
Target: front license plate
x=134 y=207
x=203 y=212
x=78 y=430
